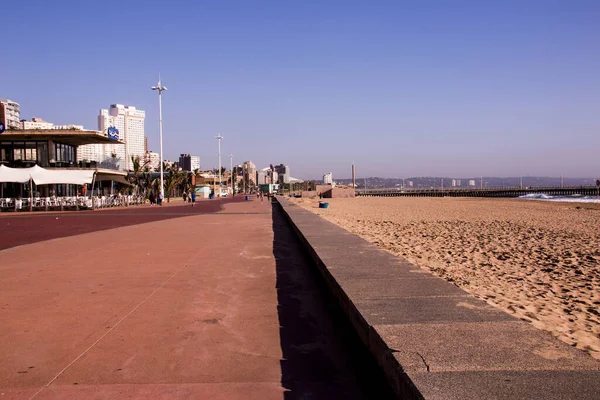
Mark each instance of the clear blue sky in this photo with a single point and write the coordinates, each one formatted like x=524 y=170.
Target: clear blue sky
x=452 y=88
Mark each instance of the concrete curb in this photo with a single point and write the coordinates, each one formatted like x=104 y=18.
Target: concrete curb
x=431 y=339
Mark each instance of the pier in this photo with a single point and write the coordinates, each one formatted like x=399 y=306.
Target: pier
x=487 y=192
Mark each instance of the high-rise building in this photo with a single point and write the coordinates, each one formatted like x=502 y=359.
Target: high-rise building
x=10 y=113
x=328 y=178
x=472 y=182
x=145 y=144
x=456 y=182
x=261 y=177
x=250 y=171
x=130 y=124
x=187 y=162
x=283 y=173
x=152 y=160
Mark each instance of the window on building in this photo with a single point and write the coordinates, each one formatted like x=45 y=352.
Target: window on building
x=64 y=152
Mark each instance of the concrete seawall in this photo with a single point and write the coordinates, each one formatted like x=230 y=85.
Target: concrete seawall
x=432 y=339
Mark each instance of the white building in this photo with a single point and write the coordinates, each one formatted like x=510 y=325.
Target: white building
x=472 y=182
x=153 y=160
x=456 y=182
x=261 y=177
x=130 y=123
x=36 y=123
x=328 y=179
x=167 y=163
x=285 y=177
x=195 y=162
x=12 y=113
x=39 y=123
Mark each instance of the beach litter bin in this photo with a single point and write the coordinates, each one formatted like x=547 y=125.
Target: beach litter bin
x=323 y=205
x=247 y=198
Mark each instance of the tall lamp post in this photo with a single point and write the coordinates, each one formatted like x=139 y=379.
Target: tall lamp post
x=219 y=137
x=231 y=172
x=160 y=89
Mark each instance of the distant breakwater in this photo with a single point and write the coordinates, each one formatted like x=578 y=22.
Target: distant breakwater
x=487 y=192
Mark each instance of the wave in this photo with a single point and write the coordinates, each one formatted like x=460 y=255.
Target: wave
x=576 y=198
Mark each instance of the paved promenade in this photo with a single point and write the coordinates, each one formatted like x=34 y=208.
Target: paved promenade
x=211 y=302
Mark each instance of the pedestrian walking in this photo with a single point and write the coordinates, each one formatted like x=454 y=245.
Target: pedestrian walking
x=151 y=198
x=193 y=198
x=160 y=198
x=185 y=197
x=262 y=197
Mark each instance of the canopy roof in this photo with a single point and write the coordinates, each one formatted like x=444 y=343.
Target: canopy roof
x=41 y=176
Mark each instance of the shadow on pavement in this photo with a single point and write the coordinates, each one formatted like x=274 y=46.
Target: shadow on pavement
x=322 y=356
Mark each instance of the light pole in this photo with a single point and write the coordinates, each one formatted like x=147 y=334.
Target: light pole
x=231 y=172
x=219 y=137
x=160 y=89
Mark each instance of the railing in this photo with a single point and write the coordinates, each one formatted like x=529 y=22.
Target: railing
x=68 y=203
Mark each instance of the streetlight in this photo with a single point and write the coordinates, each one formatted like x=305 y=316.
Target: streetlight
x=219 y=137
x=231 y=172
x=160 y=89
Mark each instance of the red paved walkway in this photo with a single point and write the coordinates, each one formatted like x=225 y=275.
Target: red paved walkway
x=178 y=308
x=22 y=228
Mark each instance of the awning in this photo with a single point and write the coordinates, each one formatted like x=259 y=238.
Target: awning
x=42 y=176
x=15 y=175
x=103 y=176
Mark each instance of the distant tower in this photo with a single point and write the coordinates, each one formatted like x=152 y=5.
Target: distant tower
x=353 y=176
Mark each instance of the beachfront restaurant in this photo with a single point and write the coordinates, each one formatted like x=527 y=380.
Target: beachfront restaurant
x=39 y=169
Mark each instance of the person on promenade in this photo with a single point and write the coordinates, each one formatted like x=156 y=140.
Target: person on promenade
x=185 y=197
x=160 y=198
x=262 y=197
x=193 y=198
x=151 y=198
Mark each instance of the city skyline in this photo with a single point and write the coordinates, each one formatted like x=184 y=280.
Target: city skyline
x=458 y=90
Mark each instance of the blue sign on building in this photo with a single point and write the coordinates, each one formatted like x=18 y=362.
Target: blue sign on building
x=113 y=133
x=2 y=127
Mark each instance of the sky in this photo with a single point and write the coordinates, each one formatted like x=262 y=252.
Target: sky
x=402 y=88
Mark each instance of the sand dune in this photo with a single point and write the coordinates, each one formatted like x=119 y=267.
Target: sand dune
x=539 y=261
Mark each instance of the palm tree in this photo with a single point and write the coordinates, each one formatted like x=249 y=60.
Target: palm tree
x=173 y=179
x=138 y=167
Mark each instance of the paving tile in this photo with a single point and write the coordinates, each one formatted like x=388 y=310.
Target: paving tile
x=425 y=310
x=509 y=385
x=480 y=346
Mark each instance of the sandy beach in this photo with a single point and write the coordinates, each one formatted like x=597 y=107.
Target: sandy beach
x=539 y=261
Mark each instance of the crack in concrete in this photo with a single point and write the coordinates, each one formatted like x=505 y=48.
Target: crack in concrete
x=424 y=362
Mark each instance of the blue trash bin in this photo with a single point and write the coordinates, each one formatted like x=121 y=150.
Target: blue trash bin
x=323 y=205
